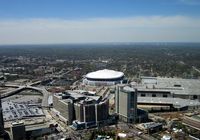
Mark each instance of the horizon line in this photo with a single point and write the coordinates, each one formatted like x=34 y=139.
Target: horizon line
x=109 y=43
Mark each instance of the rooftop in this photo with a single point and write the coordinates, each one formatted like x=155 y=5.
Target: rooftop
x=128 y=89
x=15 y=111
x=151 y=125
x=176 y=102
x=79 y=97
x=105 y=74
x=174 y=85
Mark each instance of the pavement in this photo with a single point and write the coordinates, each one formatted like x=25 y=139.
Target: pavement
x=42 y=90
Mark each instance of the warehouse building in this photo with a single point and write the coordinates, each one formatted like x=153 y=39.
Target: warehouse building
x=167 y=94
x=168 y=88
x=156 y=104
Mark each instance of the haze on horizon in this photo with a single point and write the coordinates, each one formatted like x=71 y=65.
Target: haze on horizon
x=91 y=21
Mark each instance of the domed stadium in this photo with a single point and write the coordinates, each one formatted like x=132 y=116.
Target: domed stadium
x=103 y=78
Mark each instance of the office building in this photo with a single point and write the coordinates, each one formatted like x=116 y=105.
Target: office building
x=126 y=103
x=81 y=109
x=79 y=112
x=102 y=111
x=64 y=107
x=18 y=131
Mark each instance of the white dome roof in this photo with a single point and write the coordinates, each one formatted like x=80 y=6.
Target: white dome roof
x=105 y=74
x=166 y=137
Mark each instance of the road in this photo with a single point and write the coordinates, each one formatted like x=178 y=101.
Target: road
x=196 y=69
x=42 y=90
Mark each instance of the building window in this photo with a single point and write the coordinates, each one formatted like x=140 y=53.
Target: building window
x=143 y=95
x=177 y=85
x=165 y=95
x=153 y=95
x=195 y=97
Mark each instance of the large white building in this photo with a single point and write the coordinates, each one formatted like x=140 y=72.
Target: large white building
x=169 y=88
x=158 y=93
x=103 y=78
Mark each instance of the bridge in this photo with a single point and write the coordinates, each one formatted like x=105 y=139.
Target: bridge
x=43 y=91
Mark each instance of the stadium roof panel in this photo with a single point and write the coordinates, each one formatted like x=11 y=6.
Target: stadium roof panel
x=105 y=74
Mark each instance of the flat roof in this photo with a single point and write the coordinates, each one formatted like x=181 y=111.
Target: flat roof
x=151 y=125
x=73 y=95
x=176 y=102
x=15 y=111
x=174 y=85
x=128 y=89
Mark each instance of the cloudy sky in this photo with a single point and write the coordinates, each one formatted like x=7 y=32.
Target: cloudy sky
x=86 y=21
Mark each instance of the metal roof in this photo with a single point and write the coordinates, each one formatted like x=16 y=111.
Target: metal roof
x=105 y=74
x=176 y=102
x=173 y=85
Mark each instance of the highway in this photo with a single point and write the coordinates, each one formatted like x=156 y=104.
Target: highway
x=42 y=90
x=196 y=69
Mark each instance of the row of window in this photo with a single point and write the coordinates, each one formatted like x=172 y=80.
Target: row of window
x=153 y=95
x=163 y=95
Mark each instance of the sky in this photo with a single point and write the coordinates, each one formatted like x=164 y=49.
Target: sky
x=98 y=21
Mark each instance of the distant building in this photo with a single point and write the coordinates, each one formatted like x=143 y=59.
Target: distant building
x=126 y=103
x=104 y=78
x=10 y=76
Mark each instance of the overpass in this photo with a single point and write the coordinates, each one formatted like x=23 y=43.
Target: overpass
x=43 y=91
